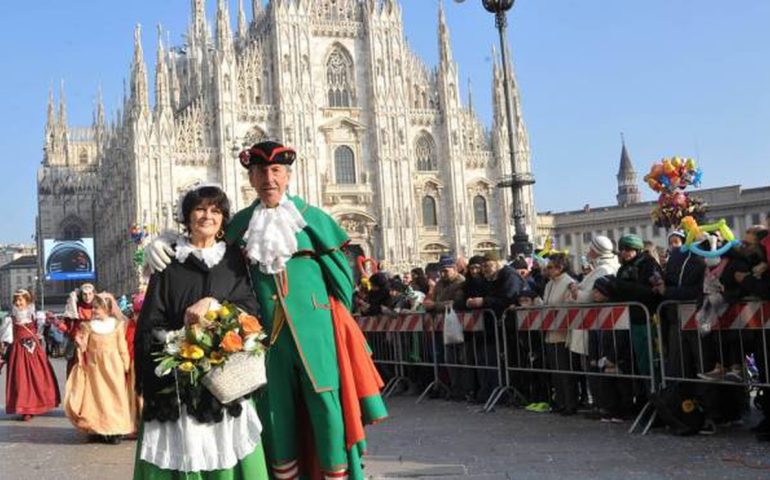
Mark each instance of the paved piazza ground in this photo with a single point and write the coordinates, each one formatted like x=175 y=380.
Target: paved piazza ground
x=435 y=440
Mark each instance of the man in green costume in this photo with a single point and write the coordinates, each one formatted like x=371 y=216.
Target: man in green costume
x=296 y=264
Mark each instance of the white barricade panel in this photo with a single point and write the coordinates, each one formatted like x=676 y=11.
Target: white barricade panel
x=584 y=318
x=740 y=316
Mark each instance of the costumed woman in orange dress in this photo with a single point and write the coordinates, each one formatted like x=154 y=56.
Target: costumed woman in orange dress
x=31 y=387
x=77 y=311
x=97 y=398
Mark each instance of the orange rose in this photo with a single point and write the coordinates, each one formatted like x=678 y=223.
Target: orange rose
x=231 y=342
x=249 y=324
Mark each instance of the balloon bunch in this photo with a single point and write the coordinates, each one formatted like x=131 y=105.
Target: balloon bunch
x=541 y=255
x=670 y=177
x=695 y=235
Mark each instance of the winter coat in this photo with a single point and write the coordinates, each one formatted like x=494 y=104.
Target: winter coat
x=634 y=282
x=447 y=293
x=683 y=275
x=557 y=292
x=602 y=266
x=503 y=290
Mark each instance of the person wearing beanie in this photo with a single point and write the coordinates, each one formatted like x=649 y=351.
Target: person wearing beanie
x=601 y=257
x=636 y=278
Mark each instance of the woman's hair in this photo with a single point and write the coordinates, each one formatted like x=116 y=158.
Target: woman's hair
x=101 y=303
x=25 y=294
x=205 y=196
x=559 y=260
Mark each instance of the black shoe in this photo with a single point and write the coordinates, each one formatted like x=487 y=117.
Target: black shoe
x=112 y=439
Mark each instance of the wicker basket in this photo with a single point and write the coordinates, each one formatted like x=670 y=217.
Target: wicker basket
x=240 y=375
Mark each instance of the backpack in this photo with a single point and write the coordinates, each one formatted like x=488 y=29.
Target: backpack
x=679 y=411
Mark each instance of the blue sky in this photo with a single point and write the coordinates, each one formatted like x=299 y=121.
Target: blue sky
x=683 y=77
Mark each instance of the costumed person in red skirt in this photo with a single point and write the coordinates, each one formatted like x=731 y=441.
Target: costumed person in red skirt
x=77 y=311
x=31 y=387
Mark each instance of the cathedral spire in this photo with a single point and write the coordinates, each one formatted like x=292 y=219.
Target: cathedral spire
x=140 y=103
x=99 y=109
x=62 y=120
x=50 y=124
x=199 y=28
x=628 y=190
x=444 y=48
x=243 y=26
x=224 y=32
x=257 y=7
x=162 y=100
x=470 y=95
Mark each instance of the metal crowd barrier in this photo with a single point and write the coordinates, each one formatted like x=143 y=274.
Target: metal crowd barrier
x=605 y=333
x=735 y=337
x=409 y=339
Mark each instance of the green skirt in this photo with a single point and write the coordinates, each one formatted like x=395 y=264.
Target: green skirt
x=250 y=467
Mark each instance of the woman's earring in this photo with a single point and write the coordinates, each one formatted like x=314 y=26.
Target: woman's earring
x=220 y=234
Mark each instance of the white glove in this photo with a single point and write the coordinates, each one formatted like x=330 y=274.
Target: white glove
x=158 y=254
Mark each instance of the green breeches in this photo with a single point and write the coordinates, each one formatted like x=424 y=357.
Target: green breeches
x=290 y=389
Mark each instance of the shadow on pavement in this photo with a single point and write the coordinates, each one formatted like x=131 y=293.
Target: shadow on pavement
x=18 y=432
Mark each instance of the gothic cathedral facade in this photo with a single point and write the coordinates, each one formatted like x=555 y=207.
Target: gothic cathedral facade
x=385 y=144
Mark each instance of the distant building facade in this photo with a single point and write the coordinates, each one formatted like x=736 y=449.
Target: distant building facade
x=573 y=230
x=19 y=273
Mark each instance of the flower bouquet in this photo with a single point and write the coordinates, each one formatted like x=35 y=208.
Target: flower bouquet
x=224 y=352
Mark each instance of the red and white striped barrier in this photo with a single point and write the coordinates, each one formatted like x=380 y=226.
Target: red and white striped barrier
x=412 y=322
x=386 y=323
x=740 y=316
x=572 y=318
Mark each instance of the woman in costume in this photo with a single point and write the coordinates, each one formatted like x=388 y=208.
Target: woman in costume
x=188 y=433
x=31 y=387
x=97 y=400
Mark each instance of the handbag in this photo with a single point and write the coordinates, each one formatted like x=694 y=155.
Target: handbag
x=240 y=375
x=453 y=330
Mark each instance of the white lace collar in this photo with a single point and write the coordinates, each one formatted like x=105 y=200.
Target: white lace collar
x=271 y=237
x=104 y=326
x=22 y=316
x=210 y=255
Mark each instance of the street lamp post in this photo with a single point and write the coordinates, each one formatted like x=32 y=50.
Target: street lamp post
x=518 y=180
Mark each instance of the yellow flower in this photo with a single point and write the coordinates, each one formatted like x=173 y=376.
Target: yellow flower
x=191 y=351
x=216 y=358
x=186 y=367
x=224 y=312
x=211 y=316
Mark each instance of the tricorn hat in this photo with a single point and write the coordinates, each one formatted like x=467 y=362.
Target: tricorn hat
x=267 y=153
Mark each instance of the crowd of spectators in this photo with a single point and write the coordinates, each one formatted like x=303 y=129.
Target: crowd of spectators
x=632 y=272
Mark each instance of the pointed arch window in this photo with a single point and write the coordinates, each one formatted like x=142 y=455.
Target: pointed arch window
x=344 y=165
x=429 y=217
x=340 y=79
x=480 y=210
x=425 y=153
x=83 y=156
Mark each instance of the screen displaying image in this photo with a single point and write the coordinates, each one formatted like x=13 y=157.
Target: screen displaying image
x=69 y=259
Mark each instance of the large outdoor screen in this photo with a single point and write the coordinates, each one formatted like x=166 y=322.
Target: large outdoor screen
x=69 y=259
